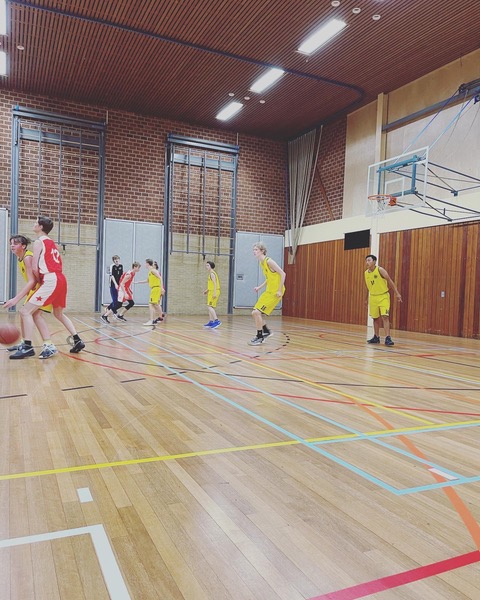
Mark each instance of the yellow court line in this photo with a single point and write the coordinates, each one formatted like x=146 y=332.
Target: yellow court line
x=327 y=388
x=153 y=459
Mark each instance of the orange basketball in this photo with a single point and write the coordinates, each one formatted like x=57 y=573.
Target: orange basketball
x=9 y=334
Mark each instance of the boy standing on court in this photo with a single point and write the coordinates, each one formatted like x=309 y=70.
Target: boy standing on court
x=378 y=281
x=275 y=288
x=19 y=247
x=213 y=294
x=115 y=273
x=48 y=271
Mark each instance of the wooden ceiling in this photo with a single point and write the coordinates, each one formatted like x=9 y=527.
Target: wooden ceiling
x=180 y=59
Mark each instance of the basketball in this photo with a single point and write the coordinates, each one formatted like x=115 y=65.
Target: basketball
x=9 y=334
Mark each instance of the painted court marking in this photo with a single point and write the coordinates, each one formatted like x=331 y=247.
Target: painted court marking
x=399 y=579
x=84 y=495
x=106 y=558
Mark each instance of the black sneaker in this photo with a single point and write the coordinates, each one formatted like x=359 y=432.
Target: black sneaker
x=267 y=333
x=14 y=348
x=23 y=352
x=105 y=319
x=77 y=347
x=374 y=340
x=389 y=341
x=121 y=318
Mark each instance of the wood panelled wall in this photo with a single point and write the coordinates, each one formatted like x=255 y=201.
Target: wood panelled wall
x=326 y=283
x=436 y=269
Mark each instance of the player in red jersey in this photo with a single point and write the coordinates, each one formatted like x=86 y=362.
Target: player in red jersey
x=47 y=269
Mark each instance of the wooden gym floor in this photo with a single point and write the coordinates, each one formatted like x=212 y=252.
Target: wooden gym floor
x=179 y=463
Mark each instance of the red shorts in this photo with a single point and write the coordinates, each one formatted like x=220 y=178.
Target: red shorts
x=53 y=290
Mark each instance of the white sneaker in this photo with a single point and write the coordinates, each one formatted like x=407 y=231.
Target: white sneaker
x=149 y=323
x=48 y=351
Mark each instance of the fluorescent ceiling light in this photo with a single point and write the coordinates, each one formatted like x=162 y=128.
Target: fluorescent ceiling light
x=230 y=110
x=3 y=17
x=3 y=63
x=321 y=36
x=265 y=81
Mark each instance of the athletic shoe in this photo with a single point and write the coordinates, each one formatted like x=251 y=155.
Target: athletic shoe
x=77 y=347
x=256 y=341
x=121 y=318
x=48 y=351
x=15 y=348
x=374 y=340
x=215 y=324
x=267 y=333
x=115 y=316
x=23 y=352
x=105 y=319
x=157 y=320
x=389 y=341
x=149 y=323
x=209 y=324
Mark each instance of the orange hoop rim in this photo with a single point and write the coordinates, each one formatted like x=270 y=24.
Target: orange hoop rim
x=380 y=197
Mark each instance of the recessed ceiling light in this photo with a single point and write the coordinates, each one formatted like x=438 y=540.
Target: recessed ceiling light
x=266 y=80
x=376 y=17
x=20 y=47
x=356 y=11
x=3 y=62
x=335 y=3
x=321 y=36
x=3 y=17
x=262 y=101
x=230 y=110
x=231 y=94
x=247 y=98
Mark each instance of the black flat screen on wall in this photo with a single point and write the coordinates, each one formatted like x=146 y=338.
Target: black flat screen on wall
x=357 y=239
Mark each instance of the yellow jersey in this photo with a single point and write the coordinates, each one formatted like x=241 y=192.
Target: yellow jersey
x=376 y=284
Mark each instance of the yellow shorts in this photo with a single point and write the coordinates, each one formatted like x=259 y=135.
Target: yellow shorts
x=155 y=295
x=379 y=305
x=211 y=301
x=267 y=302
x=47 y=309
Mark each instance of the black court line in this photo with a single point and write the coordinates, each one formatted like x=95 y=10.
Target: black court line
x=82 y=387
x=13 y=396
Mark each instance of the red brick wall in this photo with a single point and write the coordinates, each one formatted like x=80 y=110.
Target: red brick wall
x=328 y=206
x=135 y=156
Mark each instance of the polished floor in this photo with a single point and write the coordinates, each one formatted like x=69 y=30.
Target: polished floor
x=178 y=462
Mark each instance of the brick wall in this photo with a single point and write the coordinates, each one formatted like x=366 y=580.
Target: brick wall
x=134 y=182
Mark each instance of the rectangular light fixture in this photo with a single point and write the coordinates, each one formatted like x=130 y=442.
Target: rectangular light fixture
x=3 y=63
x=266 y=80
x=230 y=110
x=321 y=36
x=3 y=17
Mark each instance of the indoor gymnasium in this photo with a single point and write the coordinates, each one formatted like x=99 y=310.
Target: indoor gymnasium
x=239 y=300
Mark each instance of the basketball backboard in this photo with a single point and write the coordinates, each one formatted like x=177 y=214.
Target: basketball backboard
x=402 y=178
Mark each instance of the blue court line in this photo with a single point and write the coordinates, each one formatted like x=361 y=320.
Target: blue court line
x=434 y=486
x=245 y=410
x=258 y=417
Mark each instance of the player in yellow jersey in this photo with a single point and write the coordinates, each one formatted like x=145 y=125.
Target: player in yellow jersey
x=268 y=300
x=19 y=245
x=378 y=283
x=157 y=290
x=213 y=294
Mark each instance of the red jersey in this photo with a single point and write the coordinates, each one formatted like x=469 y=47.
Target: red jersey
x=126 y=283
x=49 y=260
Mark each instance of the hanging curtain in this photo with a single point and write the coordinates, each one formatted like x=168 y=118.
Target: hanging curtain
x=302 y=162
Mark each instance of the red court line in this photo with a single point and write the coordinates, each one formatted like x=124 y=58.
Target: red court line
x=392 y=581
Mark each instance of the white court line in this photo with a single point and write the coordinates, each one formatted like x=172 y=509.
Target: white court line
x=84 y=495
x=442 y=474
x=106 y=558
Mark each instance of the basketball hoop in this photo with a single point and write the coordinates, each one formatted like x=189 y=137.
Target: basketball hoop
x=381 y=202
